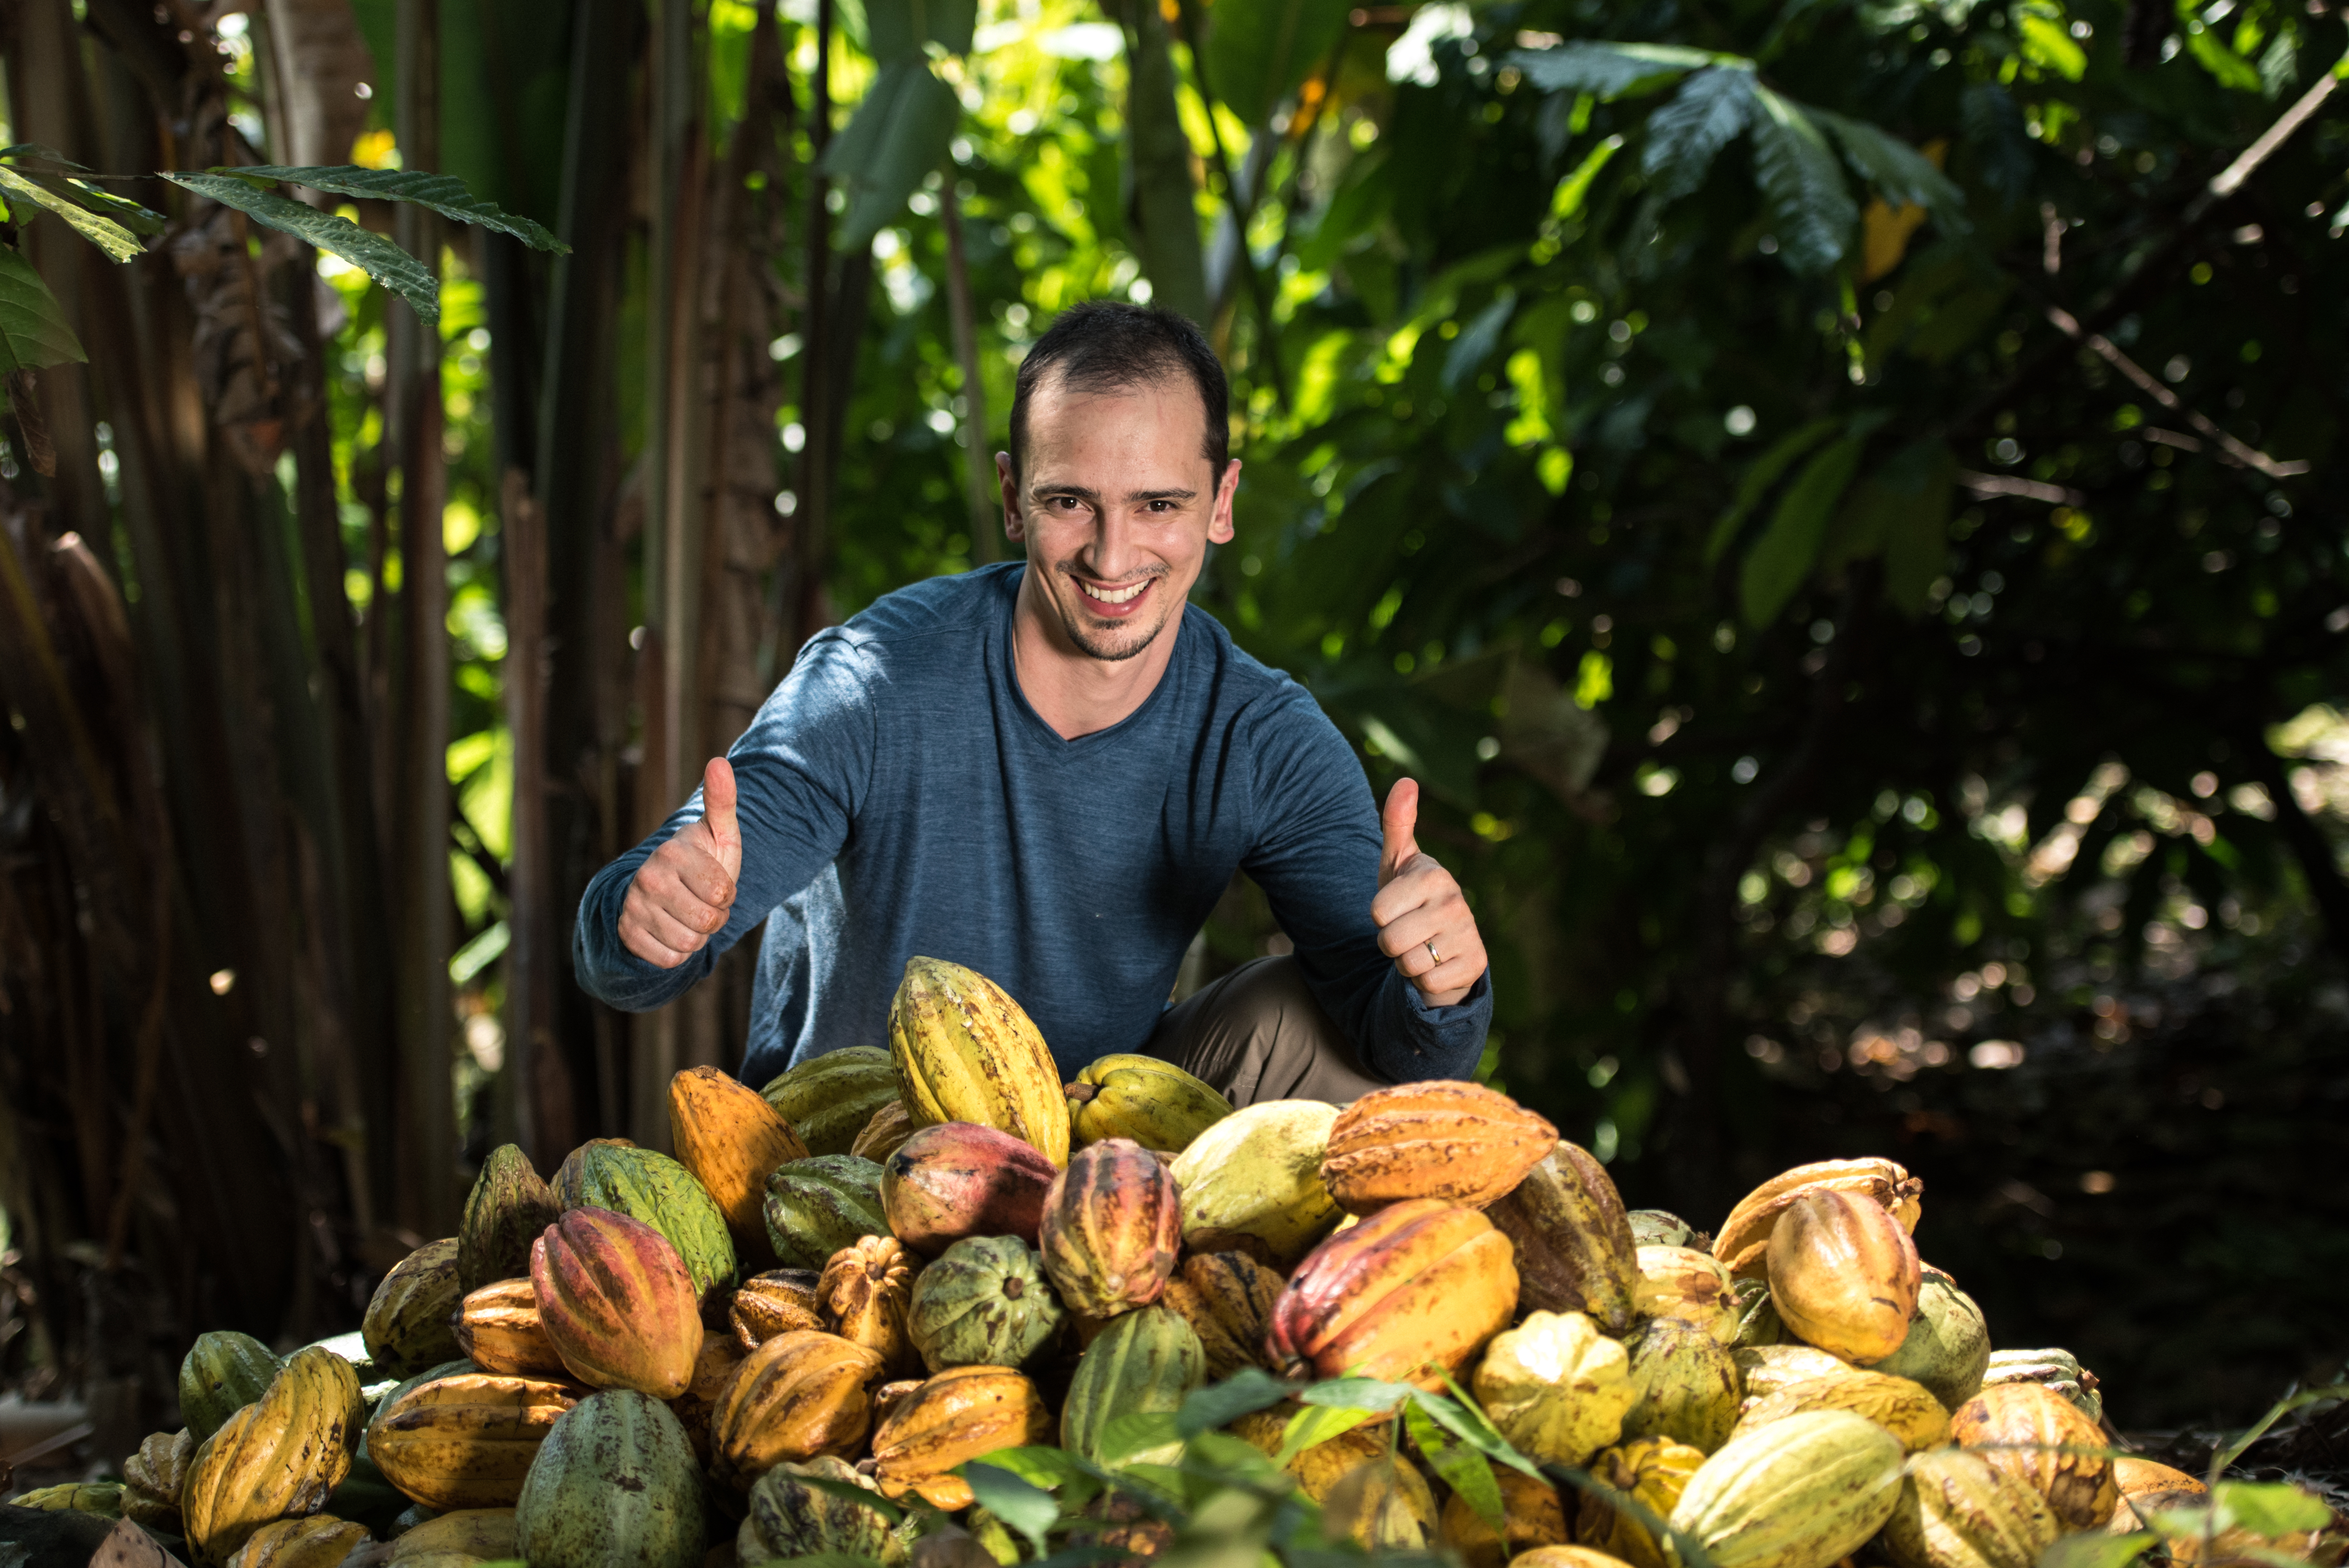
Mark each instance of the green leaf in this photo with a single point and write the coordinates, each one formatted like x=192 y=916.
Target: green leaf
x=1760 y=477
x=1025 y=1507
x=33 y=330
x=1161 y=202
x=1566 y=200
x=1462 y=1419
x=1260 y=52
x=2045 y=43
x=1247 y=1391
x=373 y=254
x=107 y=235
x=2089 y=1549
x=1695 y=123
x=1476 y=342
x=1370 y=1393
x=1138 y=1433
x=1917 y=539
x=1462 y=1467
x=1041 y=1465
x=2269 y=1509
x=897 y=30
x=1318 y=1424
x=2227 y=67
x=1610 y=70
x=443 y=193
x=1797 y=171
x=138 y=220
x=1905 y=177
x=1782 y=558
x=901 y=132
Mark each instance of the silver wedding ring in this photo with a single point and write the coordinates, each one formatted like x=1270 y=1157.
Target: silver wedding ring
x=1433 y=955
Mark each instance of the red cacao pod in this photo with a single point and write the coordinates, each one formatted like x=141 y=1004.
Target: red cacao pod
x=1112 y=1225
x=958 y=1179
x=616 y=1302
x=1419 y=1281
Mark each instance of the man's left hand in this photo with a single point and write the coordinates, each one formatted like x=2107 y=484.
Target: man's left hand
x=1424 y=923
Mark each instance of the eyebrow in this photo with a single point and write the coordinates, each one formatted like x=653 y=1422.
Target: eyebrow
x=1086 y=494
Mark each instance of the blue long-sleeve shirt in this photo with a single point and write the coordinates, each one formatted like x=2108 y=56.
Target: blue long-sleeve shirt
x=898 y=795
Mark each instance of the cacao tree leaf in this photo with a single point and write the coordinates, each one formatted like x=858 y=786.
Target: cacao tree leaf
x=1904 y=176
x=897 y=30
x=443 y=193
x=2086 y=1549
x=1758 y=479
x=1476 y=342
x=1244 y=1393
x=138 y=220
x=1462 y=1419
x=1462 y=1469
x=33 y=330
x=1024 y=1506
x=1041 y=1465
x=1696 y=122
x=1138 y=1433
x=899 y=134
x=1258 y=53
x=1370 y=1393
x=373 y=254
x=107 y=235
x=1610 y=71
x=1782 y=559
x=2268 y=1508
x=1318 y=1424
x=1798 y=173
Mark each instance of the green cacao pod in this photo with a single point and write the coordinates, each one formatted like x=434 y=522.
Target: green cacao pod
x=1948 y=1347
x=1757 y=1316
x=828 y=1099
x=1957 y=1509
x=1687 y=1383
x=1797 y=1493
x=1573 y=1239
x=614 y=1485
x=1764 y=1369
x=1112 y=1225
x=1145 y=1362
x=661 y=1192
x=1156 y=1104
x=985 y=1303
x=275 y=1458
x=1252 y=1182
x=788 y=1518
x=409 y=1323
x=153 y=1479
x=509 y=1206
x=1556 y=1387
x=1905 y=1410
x=224 y=1372
x=815 y=1207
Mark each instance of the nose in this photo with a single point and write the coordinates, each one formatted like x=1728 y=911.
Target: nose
x=1113 y=552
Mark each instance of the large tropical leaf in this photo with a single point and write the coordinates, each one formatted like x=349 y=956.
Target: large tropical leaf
x=1797 y=171
x=1906 y=176
x=901 y=132
x=33 y=330
x=897 y=30
x=1712 y=107
x=373 y=254
x=443 y=194
x=104 y=232
x=1783 y=557
x=1610 y=71
x=1258 y=53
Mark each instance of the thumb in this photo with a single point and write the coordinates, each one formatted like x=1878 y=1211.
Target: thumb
x=1398 y=826
x=718 y=813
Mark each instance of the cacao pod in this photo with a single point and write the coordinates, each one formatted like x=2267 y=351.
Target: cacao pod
x=788 y=1518
x=455 y=1540
x=731 y=1140
x=1112 y=1225
x=1573 y=1239
x=1797 y=1493
x=961 y=1180
x=963 y=1413
x=1556 y=1387
x=713 y=1369
x=865 y=1292
x=508 y=1207
x=153 y=1478
x=274 y=1459
x=2132 y=1477
x=1532 y=1513
x=1227 y=1300
x=317 y=1540
x=1143 y=1362
x=1383 y=1504
x=884 y=1134
x=1757 y=1315
x=1957 y=1509
x=984 y=1303
x=1901 y=1408
x=799 y=1395
x=1156 y=1104
x=1653 y=1472
x=1657 y=1228
x=1947 y=1345
x=1418 y=1284
x=2057 y=1369
x=616 y=1302
x=2022 y=1428
x=1124 y=1526
x=776 y=1303
x=1565 y=1557
x=1745 y=1234
x=1687 y=1385
x=224 y=1372
x=1459 y=1142
x=466 y=1441
x=887 y=1397
x=1683 y=1283
x=1844 y=1274
x=615 y=1483
x=1321 y=1467
x=408 y=1325
x=101 y=1499
x=829 y=1100
x=498 y=1329
x=1252 y=1182
x=817 y=1206
x=1764 y=1369
x=654 y=1189
x=965 y=1051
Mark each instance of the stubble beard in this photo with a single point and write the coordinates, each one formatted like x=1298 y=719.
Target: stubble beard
x=1111 y=646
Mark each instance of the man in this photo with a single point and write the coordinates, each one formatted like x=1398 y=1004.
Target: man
x=1049 y=772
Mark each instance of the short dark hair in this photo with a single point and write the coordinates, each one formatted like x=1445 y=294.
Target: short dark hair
x=1102 y=344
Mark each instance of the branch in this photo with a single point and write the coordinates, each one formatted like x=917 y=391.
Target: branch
x=2110 y=352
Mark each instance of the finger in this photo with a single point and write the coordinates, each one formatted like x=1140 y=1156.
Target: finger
x=1401 y=938
x=690 y=871
x=1420 y=880
x=718 y=813
x=659 y=954
x=1398 y=825
x=672 y=933
x=1450 y=982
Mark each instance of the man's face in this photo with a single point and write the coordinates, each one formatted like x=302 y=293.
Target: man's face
x=1117 y=506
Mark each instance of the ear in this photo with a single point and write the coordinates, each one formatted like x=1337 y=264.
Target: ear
x=1219 y=521
x=1014 y=528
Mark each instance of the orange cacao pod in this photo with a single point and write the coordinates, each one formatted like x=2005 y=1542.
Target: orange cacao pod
x=732 y=1141
x=713 y=1369
x=1459 y=1142
x=466 y=1441
x=1844 y=1274
x=1419 y=1281
x=499 y=1330
x=797 y=1396
x=963 y=1413
x=1111 y=1229
x=2021 y=1429
x=1746 y=1233
x=884 y=1134
x=616 y=1302
x=864 y=1292
x=1227 y=1299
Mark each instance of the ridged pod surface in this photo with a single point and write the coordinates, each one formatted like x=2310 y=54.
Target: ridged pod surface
x=2132 y=1475
x=466 y=1441
x=1844 y=1274
x=885 y=1133
x=1252 y=1182
x=1419 y=1283
x=965 y=1051
x=816 y=1206
x=510 y=1204
x=222 y=1372
x=1687 y=1383
x=315 y=1541
x=2057 y=1369
x=1654 y=1471
x=1318 y=1468
x=985 y=1303
x=1906 y=1409
x=828 y=1099
x=1459 y=1142
x=732 y=1141
x=799 y=1395
x=1948 y=1345
x=776 y=1302
x=1683 y=1283
x=1556 y=1387
x=1957 y=1509
x=1573 y=1239
x=1745 y=1234
x=2021 y=1427
x=1156 y=1104
x=787 y=1518
x=277 y=1458
x=1383 y=1504
x=1757 y=1316
x=499 y=1330
x=1112 y=1228
x=713 y=1371
x=963 y=1413
x=406 y=1327
x=451 y=1540
x=615 y=1487
x=616 y=1302
x=1764 y=1369
x=1531 y=1512
x=1798 y=1494
x=1145 y=1362
x=864 y=1292
x=959 y=1178
x=612 y=1173
x=1227 y=1299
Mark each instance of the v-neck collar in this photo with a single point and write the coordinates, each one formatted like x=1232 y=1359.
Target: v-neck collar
x=1007 y=650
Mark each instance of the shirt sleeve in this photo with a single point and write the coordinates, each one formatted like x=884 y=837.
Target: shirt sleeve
x=1316 y=855
x=800 y=771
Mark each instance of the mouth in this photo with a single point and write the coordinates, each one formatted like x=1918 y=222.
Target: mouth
x=1115 y=603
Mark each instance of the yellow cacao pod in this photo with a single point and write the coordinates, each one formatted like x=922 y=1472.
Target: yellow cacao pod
x=1532 y=1513
x=318 y=1541
x=732 y=1141
x=776 y=1302
x=1252 y=1182
x=477 y=1534
x=1653 y=1472
x=797 y=1396
x=1687 y=1386
x=1383 y=1504
x=864 y=1292
x=1459 y=1142
x=1908 y=1411
x=1156 y=1104
x=963 y=1413
x=1844 y=1274
x=1556 y=1387
x=407 y=1326
x=1565 y=1557
x=965 y=1051
x=1746 y=1233
x=1797 y=1493
x=713 y=1369
x=466 y=1441
x=2132 y=1475
x=1957 y=1509
x=1764 y=1369
x=497 y=1330
x=277 y=1458
x=1683 y=1283
x=2023 y=1430
x=153 y=1478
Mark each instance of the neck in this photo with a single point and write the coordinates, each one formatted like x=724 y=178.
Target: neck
x=1070 y=690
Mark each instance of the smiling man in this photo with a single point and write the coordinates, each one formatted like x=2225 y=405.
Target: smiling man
x=1049 y=772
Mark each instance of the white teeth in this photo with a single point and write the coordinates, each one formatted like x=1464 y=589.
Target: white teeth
x=1114 y=596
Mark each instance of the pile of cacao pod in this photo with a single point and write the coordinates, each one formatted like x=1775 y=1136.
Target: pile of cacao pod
x=895 y=1261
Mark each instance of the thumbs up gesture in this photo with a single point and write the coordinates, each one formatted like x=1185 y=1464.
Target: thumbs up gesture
x=683 y=892
x=1423 y=920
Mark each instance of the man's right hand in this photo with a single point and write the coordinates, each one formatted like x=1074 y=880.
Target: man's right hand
x=683 y=892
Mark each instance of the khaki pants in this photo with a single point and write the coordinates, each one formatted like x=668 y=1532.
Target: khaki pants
x=1257 y=1033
